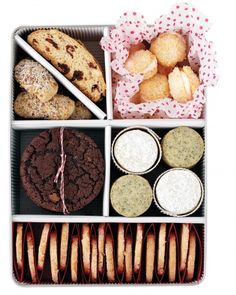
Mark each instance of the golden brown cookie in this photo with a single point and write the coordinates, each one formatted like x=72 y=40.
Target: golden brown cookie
x=136 y=99
x=120 y=248
x=80 y=112
x=183 y=83
x=35 y=79
x=172 y=258
x=19 y=245
x=184 y=245
x=142 y=62
x=135 y=47
x=161 y=252
x=86 y=248
x=72 y=59
x=150 y=257
x=138 y=247
x=101 y=246
x=53 y=257
x=59 y=107
x=154 y=88
x=64 y=245
x=110 y=265
x=128 y=259
x=94 y=260
x=169 y=48
x=74 y=258
x=31 y=257
x=43 y=245
x=191 y=257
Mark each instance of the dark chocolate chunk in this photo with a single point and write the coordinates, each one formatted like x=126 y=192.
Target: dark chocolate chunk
x=77 y=75
x=95 y=87
x=70 y=49
x=92 y=65
x=64 y=68
x=54 y=44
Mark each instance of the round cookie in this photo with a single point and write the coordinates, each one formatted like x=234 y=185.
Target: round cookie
x=178 y=192
x=169 y=48
x=182 y=147
x=83 y=173
x=183 y=84
x=131 y=195
x=142 y=61
x=154 y=88
x=136 y=151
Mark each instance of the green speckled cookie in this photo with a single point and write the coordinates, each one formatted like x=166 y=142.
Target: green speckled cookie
x=182 y=147
x=131 y=195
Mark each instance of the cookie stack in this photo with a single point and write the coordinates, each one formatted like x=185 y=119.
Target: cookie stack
x=165 y=69
x=40 y=99
x=105 y=253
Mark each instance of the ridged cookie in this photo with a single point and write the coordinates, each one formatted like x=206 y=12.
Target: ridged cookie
x=28 y=106
x=72 y=59
x=35 y=79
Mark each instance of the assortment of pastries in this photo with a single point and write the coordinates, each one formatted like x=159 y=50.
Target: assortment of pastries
x=63 y=170
x=177 y=191
x=106 y=253
x=165 y=69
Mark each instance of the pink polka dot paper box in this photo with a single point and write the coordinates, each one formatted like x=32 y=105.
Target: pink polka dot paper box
x=132 y=29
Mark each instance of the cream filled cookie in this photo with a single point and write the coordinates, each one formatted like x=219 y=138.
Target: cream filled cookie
x=142 y=62
x=183 y=83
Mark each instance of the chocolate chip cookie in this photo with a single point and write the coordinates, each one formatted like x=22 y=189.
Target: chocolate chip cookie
x=83 y=171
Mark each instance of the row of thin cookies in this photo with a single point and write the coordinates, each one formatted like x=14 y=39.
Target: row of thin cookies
x=107 y=257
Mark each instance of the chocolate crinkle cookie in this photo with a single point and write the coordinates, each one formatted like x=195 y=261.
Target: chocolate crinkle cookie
x=83 y=172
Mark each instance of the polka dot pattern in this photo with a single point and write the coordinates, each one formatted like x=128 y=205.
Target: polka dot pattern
x=132 y=29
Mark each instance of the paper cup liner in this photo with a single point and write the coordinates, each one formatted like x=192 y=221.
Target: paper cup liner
x=154 y=136
x=166 y=212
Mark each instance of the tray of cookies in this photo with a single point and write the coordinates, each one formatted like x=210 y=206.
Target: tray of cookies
x=107 y=176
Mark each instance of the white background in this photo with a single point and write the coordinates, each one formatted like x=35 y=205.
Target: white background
x=221 y=144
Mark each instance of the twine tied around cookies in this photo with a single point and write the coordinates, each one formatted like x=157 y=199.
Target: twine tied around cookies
x=60 y=172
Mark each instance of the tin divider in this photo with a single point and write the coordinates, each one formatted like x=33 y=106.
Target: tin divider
x=19 y=274
x=107 y=153
x=58 y=75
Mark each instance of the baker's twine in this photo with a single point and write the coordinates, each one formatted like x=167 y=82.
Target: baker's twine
x=60 y=172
